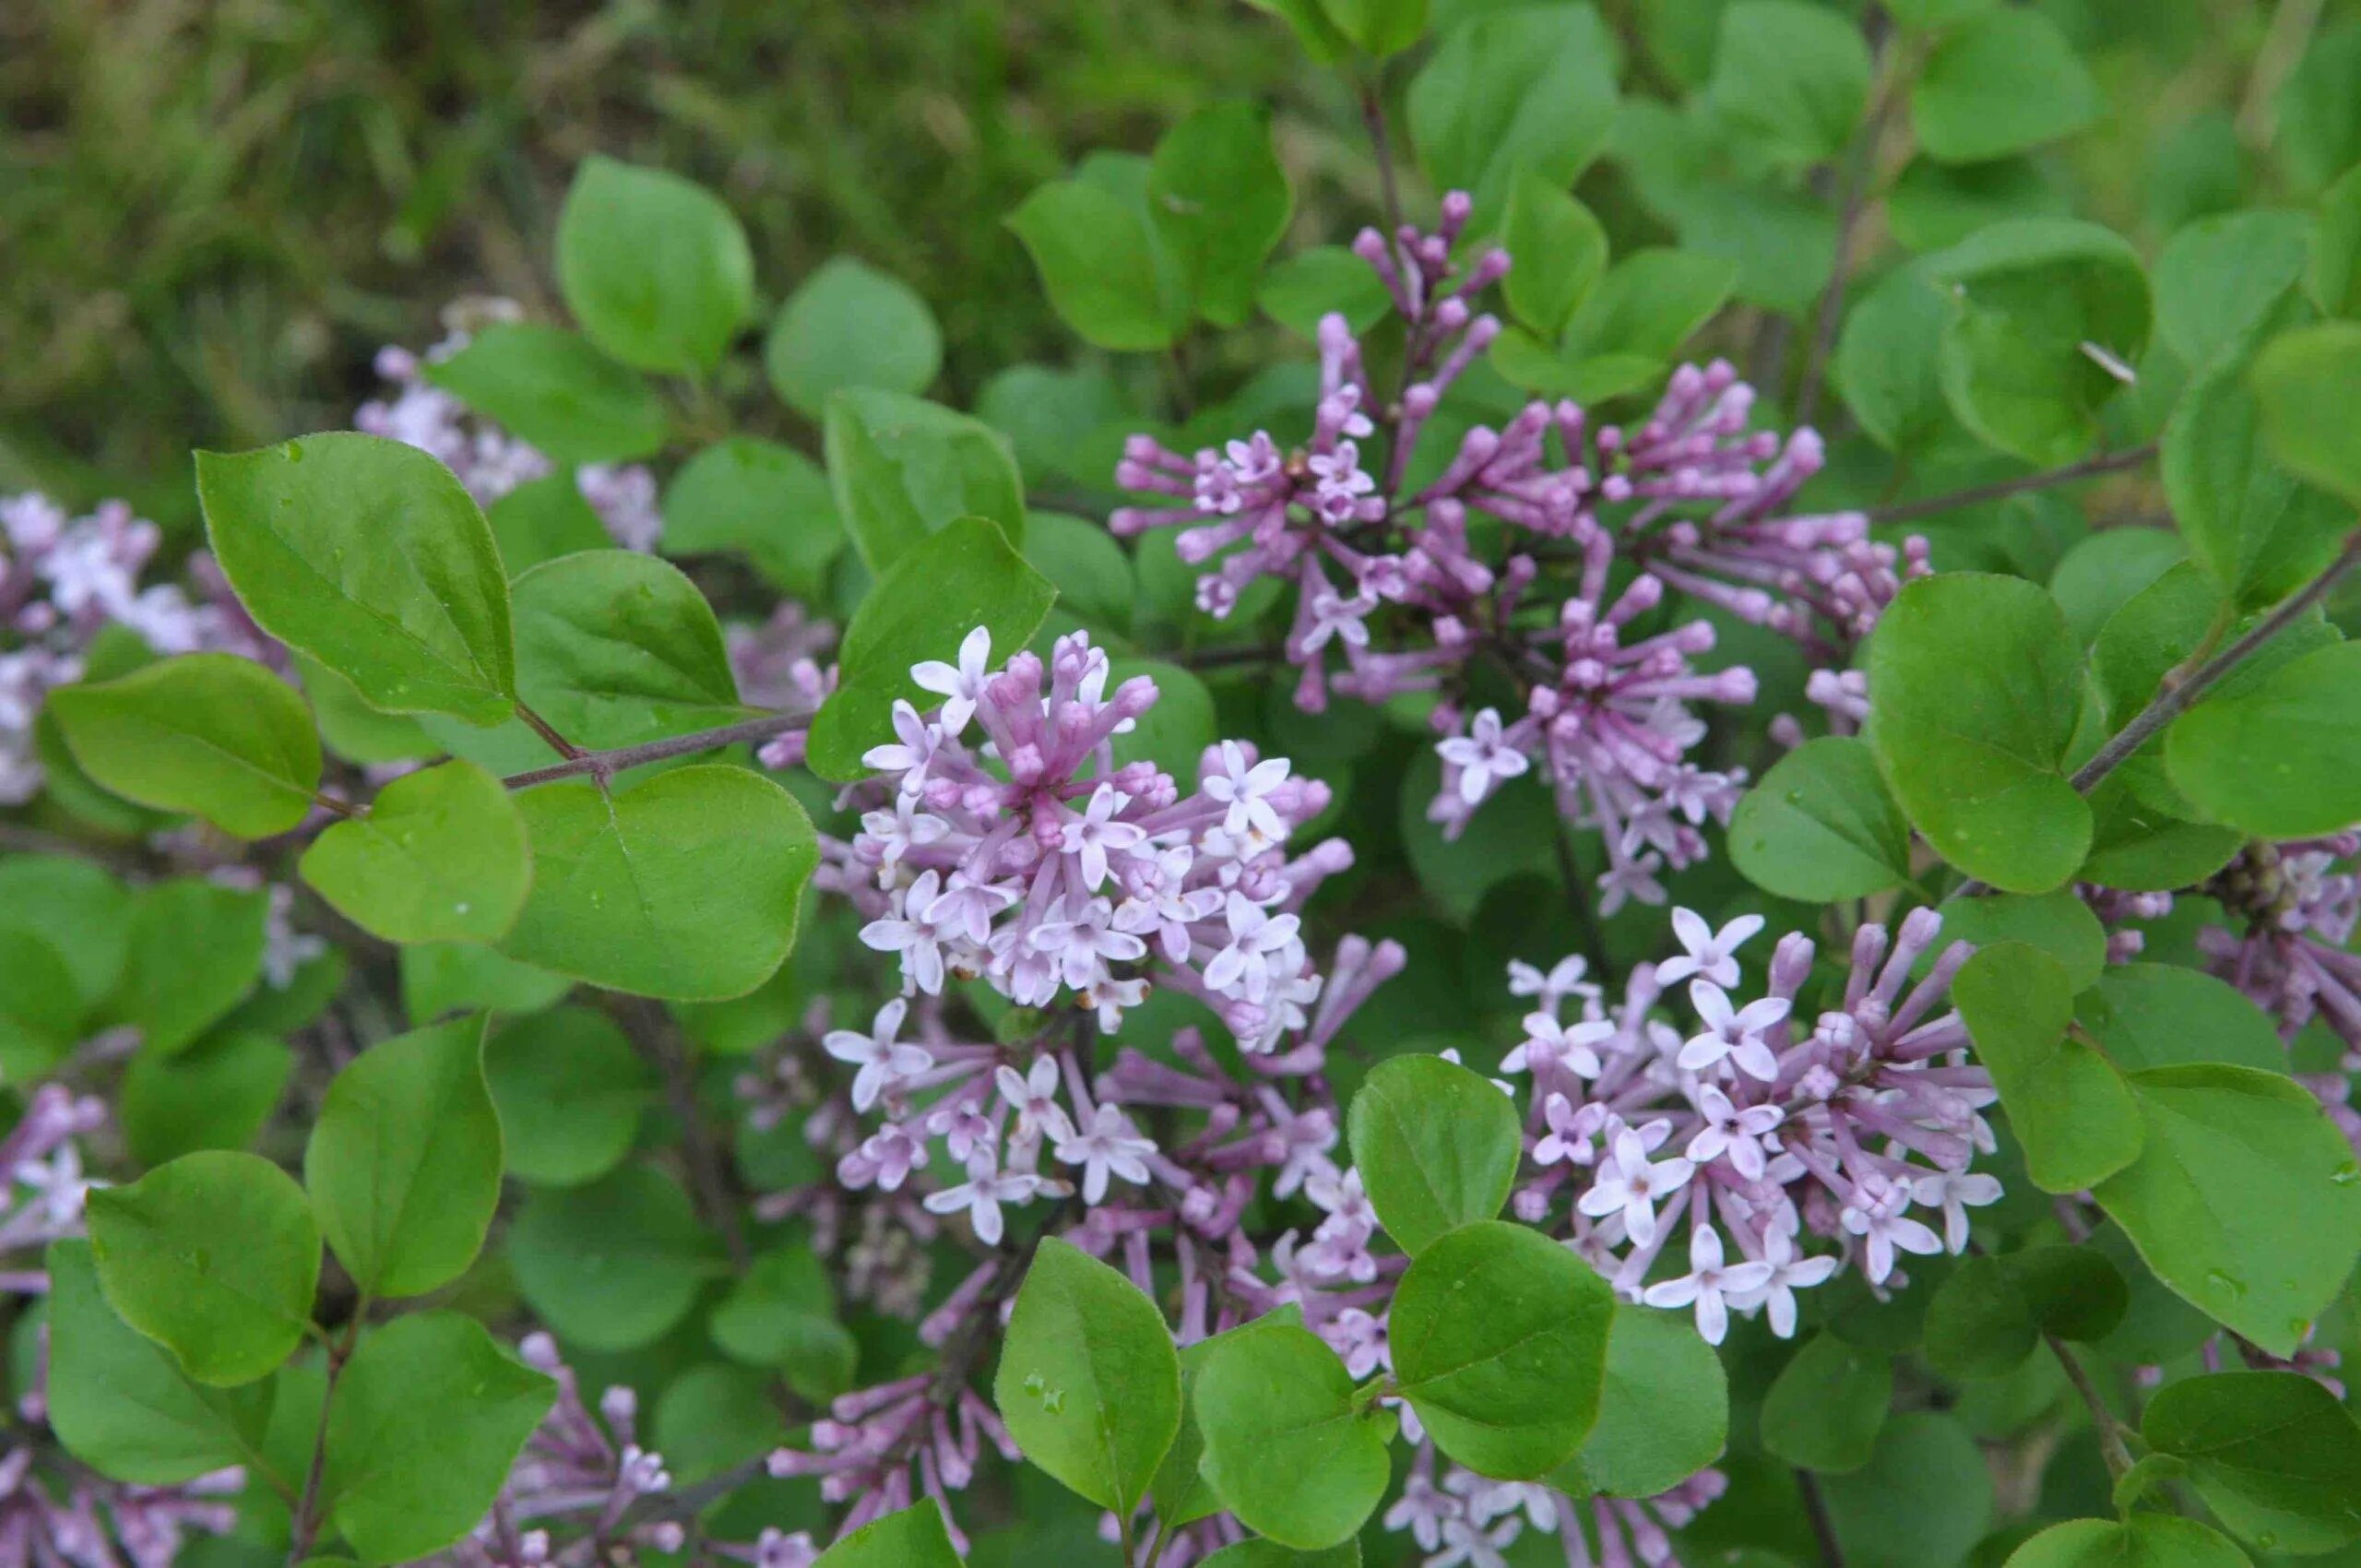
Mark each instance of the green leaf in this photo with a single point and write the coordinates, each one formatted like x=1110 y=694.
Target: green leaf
x=544 y=519
x=2029 y=299
x=655 y=269
x=615 y=648
x=1380 y=27
x=1089 y=1384
x=2060 y=924
x=1299 y=289
x=2274 y=1454
x=404 y=1164
x=1182 y=1492
x=1664 y=1411
x=1090 y=571
x=41 y=1016
x=555 y=391
x=782 y=1313
x=2245 y=1199
x=196 y=950
x=214 y=1257
x=2004 y=82
x=2257 y=530
x=458 y=977
x=1974 y=688
x=613 y=1265
x=1923 y=1499
x=1438 y=1146
x=849 y=325
x=904 y=471
x=1822 y=825
x=2305 y=383
x=1990 y=1313
x=2069 y=1107
x=2138 y=848
x=2236 y=756
x=1270 y=1554
x=1791 y=78
x=440 y=857
x=1499 y=1338
x=1221 y=199
x=2220 y=277
x=2332 y=278
x=367 y=554
x=1648 y=305
x=1566 y=252
x=421 y=1430
x=769 y=502
x=1104 y=263
x=914 y=1537
x=968 y=575
x=2161 y=1015
x=1284 y=1447
x=2143 y=1540
x=1827 y=1406
x=685 y=885
x=75 y=908
x=1528 y=89
x=570 y=1091
x=217 y=1095
x=120 y=1405
x=210 y=733
x=1886 y=360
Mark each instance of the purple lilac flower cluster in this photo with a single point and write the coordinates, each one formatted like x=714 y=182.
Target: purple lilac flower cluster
x=1030 y=859
x=1469 y=1521
x=1689 y=497
x=96 y=1523
x=1762 y=1131
x=780 y=665
x=63 y=580
x=588 y=1477
x=2299 y=903
x=42 y=1187
x=488 y=460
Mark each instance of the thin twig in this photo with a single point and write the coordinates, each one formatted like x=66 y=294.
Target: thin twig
x=2105 y=463
x=2111 y=1444
x=1852 y=203
x=1373 y=116
x=606 y=764
x=548 y=732
x=654 y=1031
x=1823 y=1527
x=2177 y=695
x=309 y=1515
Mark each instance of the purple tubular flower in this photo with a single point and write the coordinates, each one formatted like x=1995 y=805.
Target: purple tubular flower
x=1388 y=576
x=488 y=460
x=99 y=1523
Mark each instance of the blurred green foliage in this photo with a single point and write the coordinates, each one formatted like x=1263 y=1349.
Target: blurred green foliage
x=212 y=211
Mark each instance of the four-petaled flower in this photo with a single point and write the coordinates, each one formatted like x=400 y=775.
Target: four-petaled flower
x=1254 y=934
x=1548 y=1043
x=1735 y=1033
x=961 y=686
x=1107 y=1146
x=1732 y=1131
x=1709 y=955
x=1630 y=1185
x=1788 y=1274
x=985 y=1190
x=1033 y=1095
x=1244 y=788
x=1095 y=832
x=1709 y=1284
x=1483 y=760
x=881 y=1059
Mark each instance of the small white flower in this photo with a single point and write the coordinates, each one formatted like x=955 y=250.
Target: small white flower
x=1244 y=966
x=1955 y=1193
x=1788 y=1274
x=881 y=1059
x=1547 y=1043
x=1709 y=1284
x=1564 y=980
x=1246 y=791
x=1484 y=761
x=1710 y=955
x=985 y=1190
x=1630 y=1186
x=961 y=686
x=1033 y=1095
x=1109 y=1146
x=1095 y=833
x=1730 y=1131
x=1734 y=1033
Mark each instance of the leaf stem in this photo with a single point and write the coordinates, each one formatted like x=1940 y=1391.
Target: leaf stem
x=309 y=1514
x=1823 y=1527
x=2176 y=699
x=607 y=764
x=548 y=731
x=2111 y=1444
x=2105 y=463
